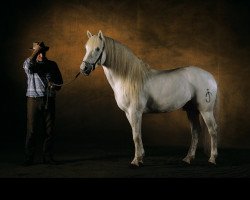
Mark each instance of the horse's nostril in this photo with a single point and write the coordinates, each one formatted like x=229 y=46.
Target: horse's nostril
x=85 y=71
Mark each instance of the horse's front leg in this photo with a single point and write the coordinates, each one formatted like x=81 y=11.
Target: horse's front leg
x=134 y=119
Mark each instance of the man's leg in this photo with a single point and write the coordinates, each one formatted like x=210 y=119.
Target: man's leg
x=49 y=120
x=32 y=117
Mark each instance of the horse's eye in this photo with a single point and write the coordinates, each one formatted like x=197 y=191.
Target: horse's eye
x=97 y=49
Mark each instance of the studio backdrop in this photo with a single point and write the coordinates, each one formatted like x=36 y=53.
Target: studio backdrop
x=213 y=35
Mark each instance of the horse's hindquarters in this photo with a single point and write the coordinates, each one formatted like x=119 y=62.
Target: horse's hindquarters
x=205 y=88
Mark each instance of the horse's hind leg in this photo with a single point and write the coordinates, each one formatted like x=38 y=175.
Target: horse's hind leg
x=193 y=116
x=135 y=122
x=211 y=125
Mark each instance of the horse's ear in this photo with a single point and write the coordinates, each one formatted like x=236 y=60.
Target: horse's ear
x=89 y=34
x=100 y=35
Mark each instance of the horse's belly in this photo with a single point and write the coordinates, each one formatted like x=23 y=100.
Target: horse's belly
x=167 y=92
x=166 y=102
x=167 y=106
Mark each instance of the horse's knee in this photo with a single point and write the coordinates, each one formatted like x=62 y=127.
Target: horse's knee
x=136 y=138
x=195 y=135
x=212 y=133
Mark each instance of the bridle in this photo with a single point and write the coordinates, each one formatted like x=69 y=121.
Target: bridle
x=92 y=65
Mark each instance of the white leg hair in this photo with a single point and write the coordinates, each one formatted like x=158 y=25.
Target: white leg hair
x=211 y=126
x=135 y=122
x=193 y=117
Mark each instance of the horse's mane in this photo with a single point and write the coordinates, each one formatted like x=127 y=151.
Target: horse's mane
x=131 y=70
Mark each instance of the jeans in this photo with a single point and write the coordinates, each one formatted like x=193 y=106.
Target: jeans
x=40 y=117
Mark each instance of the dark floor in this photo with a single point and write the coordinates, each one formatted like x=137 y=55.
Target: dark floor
x=82 y=161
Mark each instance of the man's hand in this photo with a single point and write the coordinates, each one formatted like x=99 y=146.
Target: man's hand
x=34 y=54
x=51 y=85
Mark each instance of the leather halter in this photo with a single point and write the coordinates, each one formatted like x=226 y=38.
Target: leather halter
x=98 y=58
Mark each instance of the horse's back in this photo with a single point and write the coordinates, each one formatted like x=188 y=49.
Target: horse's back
x=195 y=76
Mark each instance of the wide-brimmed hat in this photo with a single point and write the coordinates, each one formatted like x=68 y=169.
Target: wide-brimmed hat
x=41 y=44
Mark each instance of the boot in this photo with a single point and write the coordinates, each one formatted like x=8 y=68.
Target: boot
x=28 y=161
x=48 y=159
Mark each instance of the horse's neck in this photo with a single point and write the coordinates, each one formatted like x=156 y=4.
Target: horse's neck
x=125 y=72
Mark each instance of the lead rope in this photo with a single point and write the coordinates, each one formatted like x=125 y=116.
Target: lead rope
x=47 y=97
x=68 y=82
x=54 y=84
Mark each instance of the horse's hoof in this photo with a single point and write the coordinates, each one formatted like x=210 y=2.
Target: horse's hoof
x=141 y=164
x=186 y=160
x=212 y=162
x=134 y=166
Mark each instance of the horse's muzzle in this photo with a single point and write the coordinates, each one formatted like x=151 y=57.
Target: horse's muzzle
x=86 y=68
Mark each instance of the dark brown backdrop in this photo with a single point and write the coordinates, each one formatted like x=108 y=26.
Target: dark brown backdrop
x=213 y=35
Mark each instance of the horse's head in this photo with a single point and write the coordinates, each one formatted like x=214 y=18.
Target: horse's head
x=95 y=53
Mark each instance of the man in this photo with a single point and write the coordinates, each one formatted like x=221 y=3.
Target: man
x=43 y=80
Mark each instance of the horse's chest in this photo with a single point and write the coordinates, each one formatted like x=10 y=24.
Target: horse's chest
x=121 y=98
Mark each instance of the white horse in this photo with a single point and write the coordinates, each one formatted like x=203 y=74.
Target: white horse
x=140 y=89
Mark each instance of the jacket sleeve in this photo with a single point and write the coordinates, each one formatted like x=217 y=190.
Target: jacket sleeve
x=29 y=66
x=57 y=77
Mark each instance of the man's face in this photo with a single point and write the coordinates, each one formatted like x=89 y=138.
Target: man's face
x=41 y=56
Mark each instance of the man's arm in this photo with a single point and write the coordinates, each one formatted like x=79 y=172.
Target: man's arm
x=29 y=66
x=30 y=63
x=57 y=77
x=34 y=54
